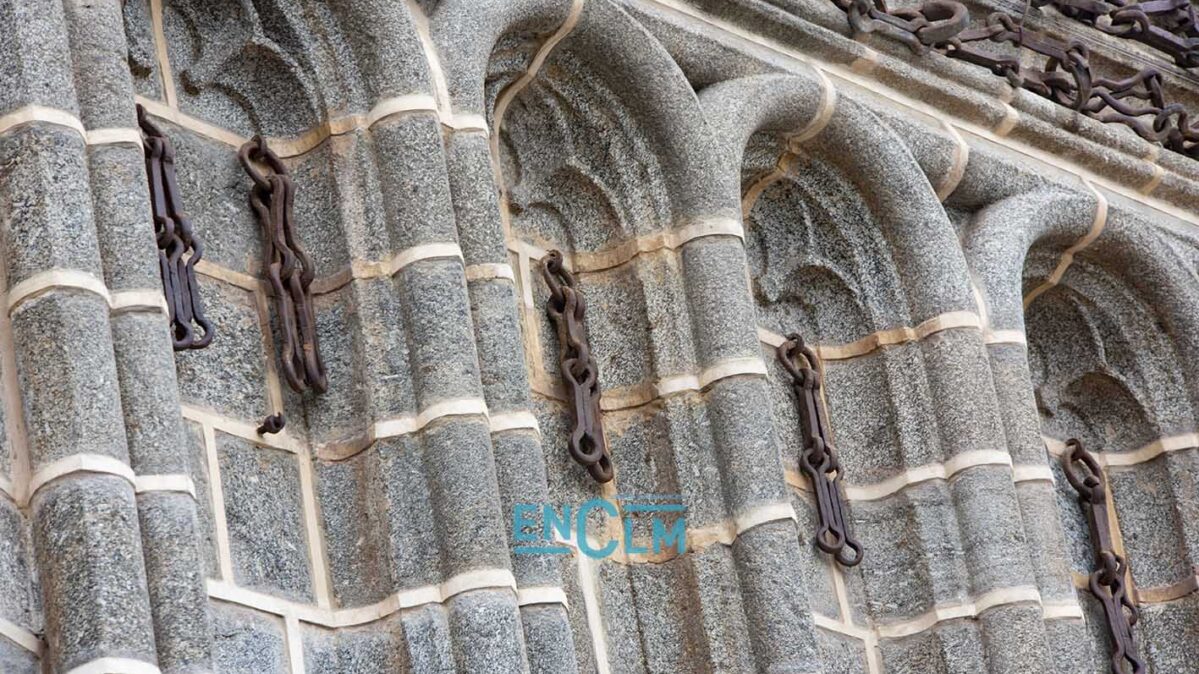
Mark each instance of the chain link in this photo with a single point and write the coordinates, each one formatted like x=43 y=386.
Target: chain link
x=1065 y=75
x=818 y=458
x=566 y=308
x=179 y=249
x=288 y=269
x=1107 y=581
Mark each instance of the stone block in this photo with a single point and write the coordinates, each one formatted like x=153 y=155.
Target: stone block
x=1165 y=630
x=476 y=199
x=878 y=433
x=89 y=559
x=914 y=554
x=842 y=654
x=1152 y=530
x=47 y=201
x=381 y=355
x=216 y=192
x=350 y=494
x=206 y=530
x=626 y=651
x=441 y=338
x=715 y=272
x=486 y=633
x=319 y=225
x=143 y=58
x=493 y=305
x=229 y=376
x=816 y=566
x=991 y=529
x=124 y=226
x=264 y=511
x=457 y=461
x=70 y=393
x=427 y=631
x=520 y=473
x=670 y=348
x=739 y=410
x=149 y=393
x=548 y=639
x=101 y=63
x=17 y=660
x=38 y=72
x=413 y=542
x=247 y=642
x=720 y=625
x=342 y=411
x=175 y=579
x=1015 y=639
x=777 y=612
x=413 y=179
x=962 y=392
x=17 y=603
x=377 y=648
x=953 y=647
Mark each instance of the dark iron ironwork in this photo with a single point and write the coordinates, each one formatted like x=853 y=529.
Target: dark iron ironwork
x=818 y=457
x=272 y=424
x=289 y=271
x=179 y=249
x=1107 y=581
x=1065 y=75
x=566 y=308
x=287 y=267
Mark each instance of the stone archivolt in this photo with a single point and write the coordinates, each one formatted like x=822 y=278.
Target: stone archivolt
x=982 y=279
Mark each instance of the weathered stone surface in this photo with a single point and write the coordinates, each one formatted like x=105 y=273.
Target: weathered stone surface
x=247 y=642
x=266 y=522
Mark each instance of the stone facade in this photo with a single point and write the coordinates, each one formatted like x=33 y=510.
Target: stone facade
x=985 y=274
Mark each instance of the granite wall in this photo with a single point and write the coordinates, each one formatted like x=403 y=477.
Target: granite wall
x=985 y=274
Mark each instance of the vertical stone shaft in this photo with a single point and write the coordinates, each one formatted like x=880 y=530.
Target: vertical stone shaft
x=85 y=524
x=520 y=463
x=145 y=365
x=457 y=452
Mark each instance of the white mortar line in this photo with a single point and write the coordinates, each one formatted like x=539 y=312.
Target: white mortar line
x=161 y=53
x=969 y=609
x=321 y=581
x=242 y=429
x=848 y=75
x=1032 y=473
x=961 y=157
x=508 y=421
x=1061 y=610
x=72 y=279
x=927 y=472
x=21 y=636
x=116 y=666
x=420 y=23
x=490 y=270
x=40 y=113
x=114 y=136
x=179 y=483
x=1097 y=225
x=781 y=169
x=295 y=645
x=470 y=581
x=537 y=595
x=828 y=104
x=138 y=300
x=217 y=490
x=643 y=394
x=274 y=388
x=80 y=463
x=1149 y=452
x=14 y=415
x=843 y=628
x=589 y=585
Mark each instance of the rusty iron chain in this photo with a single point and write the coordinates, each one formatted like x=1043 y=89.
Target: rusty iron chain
x=179 y=248
x=567 y=308
x=1107 y=581
x=1065 y=75
x=289 y=271
x=818 y=457
x=1166 y=25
